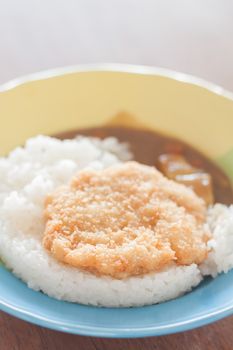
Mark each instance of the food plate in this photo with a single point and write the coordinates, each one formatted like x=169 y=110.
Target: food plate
x=193 y=110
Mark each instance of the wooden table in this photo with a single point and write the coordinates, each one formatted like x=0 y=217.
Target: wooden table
x=189 y=36
x=19 y=335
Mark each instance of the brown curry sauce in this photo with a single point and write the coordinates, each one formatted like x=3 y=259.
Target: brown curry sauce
x=147 y=146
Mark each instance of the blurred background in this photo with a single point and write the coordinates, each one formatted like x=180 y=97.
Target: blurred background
x=194 y=37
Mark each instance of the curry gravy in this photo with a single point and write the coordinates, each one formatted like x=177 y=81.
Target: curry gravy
x=148 y=145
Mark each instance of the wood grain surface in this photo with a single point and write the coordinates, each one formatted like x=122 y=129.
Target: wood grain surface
x=19 y=335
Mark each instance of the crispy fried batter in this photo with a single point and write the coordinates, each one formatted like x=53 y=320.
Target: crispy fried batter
x=123 y=221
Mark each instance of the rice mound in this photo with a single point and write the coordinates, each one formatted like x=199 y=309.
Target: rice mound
x=220 y=257
x=28 y=174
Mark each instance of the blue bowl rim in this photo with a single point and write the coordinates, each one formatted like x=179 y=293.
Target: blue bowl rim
x=137 y=332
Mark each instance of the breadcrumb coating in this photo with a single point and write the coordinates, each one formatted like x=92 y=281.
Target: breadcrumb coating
x=125 y=220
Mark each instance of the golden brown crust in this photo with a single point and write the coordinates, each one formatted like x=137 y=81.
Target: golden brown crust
x=123 y=221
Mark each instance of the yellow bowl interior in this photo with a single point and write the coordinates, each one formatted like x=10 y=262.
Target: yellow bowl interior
x=89 y=98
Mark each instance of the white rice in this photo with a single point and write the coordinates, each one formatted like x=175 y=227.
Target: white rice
x=220 y=257
x=26 y=177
